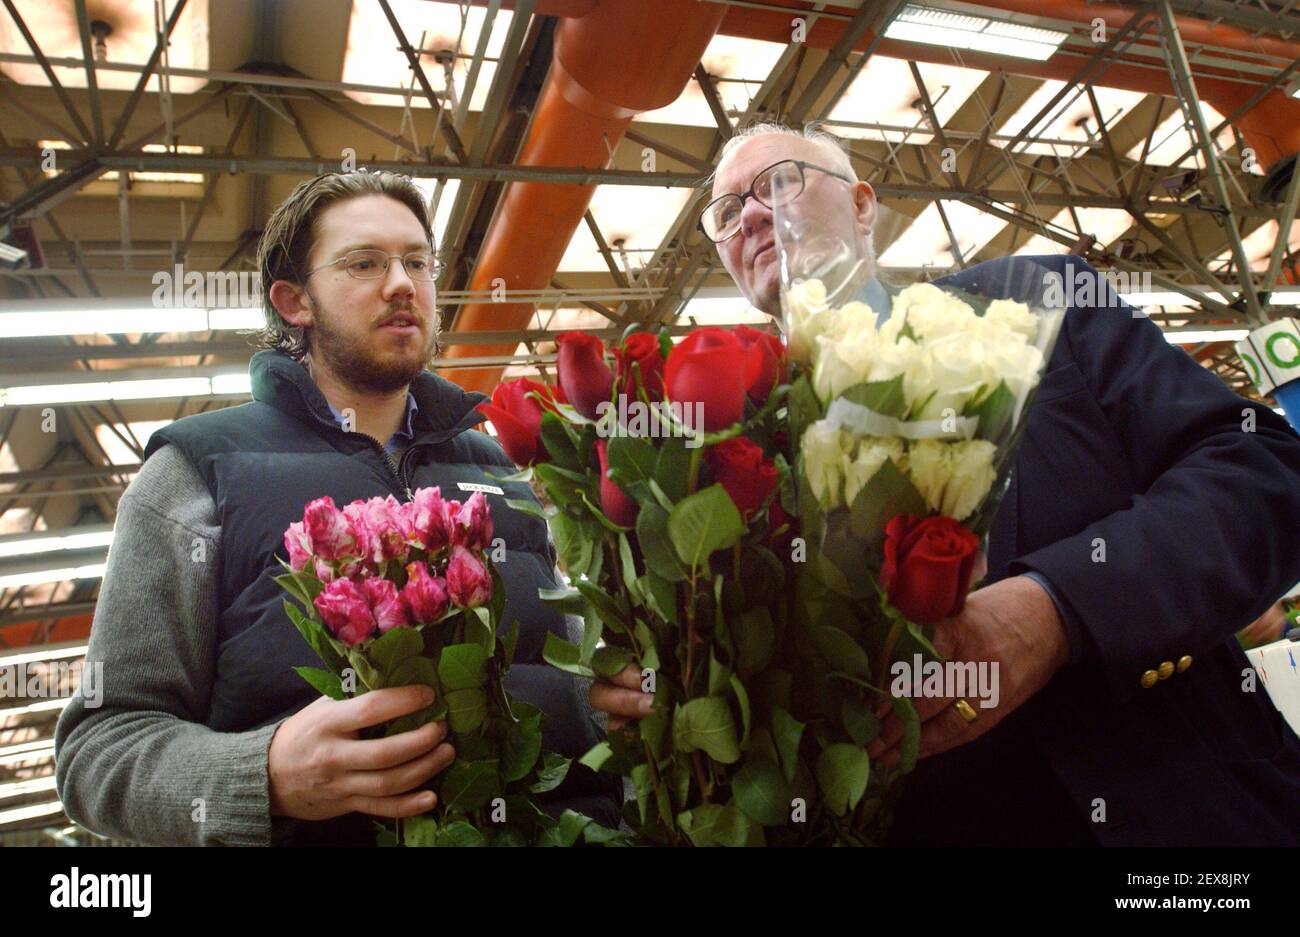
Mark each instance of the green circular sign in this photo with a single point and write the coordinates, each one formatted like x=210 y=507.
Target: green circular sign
x=1250 y=364
x=1272 y=355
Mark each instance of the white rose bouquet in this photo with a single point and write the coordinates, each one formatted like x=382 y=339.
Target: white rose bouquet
x=904 y=411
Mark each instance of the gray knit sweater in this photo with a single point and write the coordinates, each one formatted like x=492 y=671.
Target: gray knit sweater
x=143 y=766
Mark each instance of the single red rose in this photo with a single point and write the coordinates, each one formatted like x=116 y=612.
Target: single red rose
x=708 y=367
x=739 y=466
x=641 y=349
x=584 y=376
x=765 y=361
x=518 y=418
x=616 y=504
x=928 y=565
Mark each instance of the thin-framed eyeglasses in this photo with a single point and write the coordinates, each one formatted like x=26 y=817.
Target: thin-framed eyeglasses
x=778 y=184
x=370 y=264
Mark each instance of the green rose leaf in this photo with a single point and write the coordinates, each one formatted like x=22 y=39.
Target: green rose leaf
x=884 y=397
x=608 y=661
x=328 y=684
x=673 y=468
x=702 y=523
x=414 y=671
x=717 y=825
x=460 y=833
x=316 y=636
x=887 y=494
x=565 y=656
x=842 y=772
x=600 y=753
x=522 y=745
x=786 y=734
x=468 y=785
x=706 y=724
x=632 y=464
x=993 y=412
x=462 y=667
x=652 y=535
x=802 y=405
x=842 y=652
x=761 y=792
x=860 y=722
x=571 y=545
x=466 y=708
x=390 y=649
x=911 y=742
x=552 y=773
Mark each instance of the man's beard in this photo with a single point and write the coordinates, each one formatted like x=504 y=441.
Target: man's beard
x=352 y=361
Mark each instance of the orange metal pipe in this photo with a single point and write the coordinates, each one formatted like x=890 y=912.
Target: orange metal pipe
x=618 y=60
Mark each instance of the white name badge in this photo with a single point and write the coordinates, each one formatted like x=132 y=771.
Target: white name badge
x=474 y=486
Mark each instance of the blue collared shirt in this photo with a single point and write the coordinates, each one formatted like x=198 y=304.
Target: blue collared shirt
x=402 y=435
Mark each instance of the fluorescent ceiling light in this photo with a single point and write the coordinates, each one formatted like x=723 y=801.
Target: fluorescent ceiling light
x=1206 y=335
x=102 y=320
x=43 y=706
x=31 y=812
x=135 y=175
x=1284 y=298
x=925 y=243
x=62 y=574
x=977 y=33
x=26 y=546
x=33 y=786
x=1142 y=299
x=143 y=384
x=223 y=319
x=53 y=653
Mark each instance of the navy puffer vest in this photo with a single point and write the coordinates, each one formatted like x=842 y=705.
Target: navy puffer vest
x=263 y=461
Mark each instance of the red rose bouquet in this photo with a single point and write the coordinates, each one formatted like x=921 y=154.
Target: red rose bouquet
x=666 y=473
x=395 y=594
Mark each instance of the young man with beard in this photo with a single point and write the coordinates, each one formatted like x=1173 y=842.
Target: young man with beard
x=206 y=735
x=1144 y=524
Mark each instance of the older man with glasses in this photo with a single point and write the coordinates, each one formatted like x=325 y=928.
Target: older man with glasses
x=1150 y=515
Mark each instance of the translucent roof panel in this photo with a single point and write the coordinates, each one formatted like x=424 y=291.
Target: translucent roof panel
x=883 y=103
x=1259 y=245
x=637 y=215
x=118 y=451
x=441 y=195
x=1071 y=119
x=1105 y=224
x=131 y=42
x=1172 y=138
x=925 y=242
x=372 y=56
x=738 y=68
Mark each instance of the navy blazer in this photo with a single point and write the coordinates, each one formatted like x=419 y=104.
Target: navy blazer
x=1133 y=446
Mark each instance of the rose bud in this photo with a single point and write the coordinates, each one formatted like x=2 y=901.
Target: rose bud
x=425 y=595
x=765 y=364
x=424 y=520
x=618 y=507
x=928 y=565
x=377 y=526
x=298 y=545
x=346 y=612
x=468 y=581
x=738 y=466
x=584 y=377
x=641 y=349
x=517 y=418
x=327 y=529
x=386 y=604
x=472 y=525
x=703 y=368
